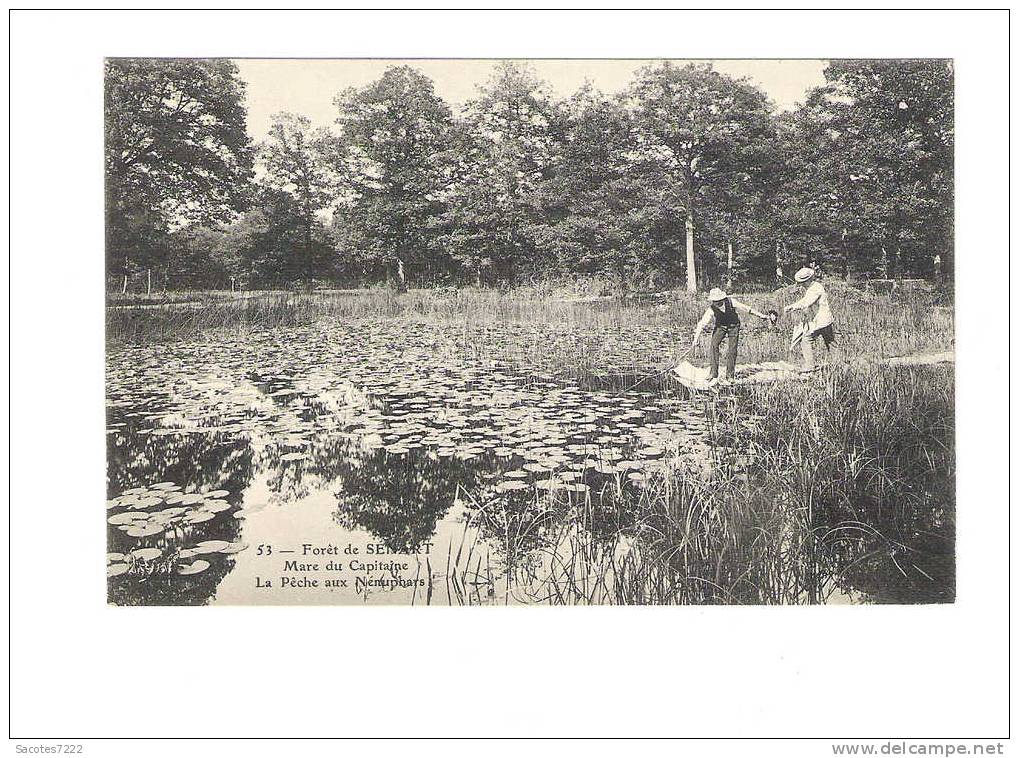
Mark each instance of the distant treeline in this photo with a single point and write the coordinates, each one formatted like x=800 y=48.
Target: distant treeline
x=519 y=185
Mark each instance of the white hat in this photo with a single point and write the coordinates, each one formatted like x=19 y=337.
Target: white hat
x=805 y=274
x=716 y=294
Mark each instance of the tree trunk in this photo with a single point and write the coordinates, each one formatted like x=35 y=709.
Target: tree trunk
x=123 y=290
x=691 y=270
x=845 y=252
x=401 y=276
x=307 y=254
x=148 y=282
x=729 y=262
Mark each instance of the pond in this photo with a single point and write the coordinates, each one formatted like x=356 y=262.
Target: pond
x=380 y=462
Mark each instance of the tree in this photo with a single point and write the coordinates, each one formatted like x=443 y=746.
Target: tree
x=393 y=159
x=873 y=151
x=264 y=240
x=895 y=121
x=176 y=151
x=704 y=130
x=594 y=199
x=296 y=163
x=505 y=152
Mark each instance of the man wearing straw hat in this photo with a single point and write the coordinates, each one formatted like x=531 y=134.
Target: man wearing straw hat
x=815 y=329
x=722 y=310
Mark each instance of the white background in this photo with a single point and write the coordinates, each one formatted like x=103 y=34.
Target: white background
x=80 y=669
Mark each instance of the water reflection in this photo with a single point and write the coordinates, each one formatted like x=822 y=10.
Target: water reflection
x=499 y=485
x=192 y=461
x=399 y=499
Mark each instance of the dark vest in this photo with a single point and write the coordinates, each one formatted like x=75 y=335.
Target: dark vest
x=725 y=313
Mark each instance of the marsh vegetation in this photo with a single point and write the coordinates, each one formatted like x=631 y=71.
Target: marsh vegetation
x=488 y=398
x=500 y=431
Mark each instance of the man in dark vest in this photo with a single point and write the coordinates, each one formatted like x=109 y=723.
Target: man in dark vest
x=722 y=310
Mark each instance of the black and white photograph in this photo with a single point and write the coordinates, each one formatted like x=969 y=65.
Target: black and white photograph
x=504 y=332
x=407 y=378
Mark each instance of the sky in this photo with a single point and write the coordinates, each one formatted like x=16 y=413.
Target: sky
x=307 y=87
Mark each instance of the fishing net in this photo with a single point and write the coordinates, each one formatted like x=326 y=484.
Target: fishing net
x=695 y=378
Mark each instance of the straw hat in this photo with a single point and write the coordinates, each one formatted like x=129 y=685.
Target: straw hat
x=716 y=294
x=805 y=274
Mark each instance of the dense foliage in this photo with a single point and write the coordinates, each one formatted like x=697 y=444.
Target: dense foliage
x=519 y=185
x=176 y=153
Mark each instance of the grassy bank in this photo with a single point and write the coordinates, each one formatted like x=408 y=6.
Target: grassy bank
x=559 y=333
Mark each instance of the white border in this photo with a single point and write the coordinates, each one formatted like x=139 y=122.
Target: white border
x=81 y=668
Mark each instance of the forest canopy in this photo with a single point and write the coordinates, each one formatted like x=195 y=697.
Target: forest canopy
x=687 y=176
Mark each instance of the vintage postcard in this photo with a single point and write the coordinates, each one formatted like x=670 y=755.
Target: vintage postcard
x=517 y=332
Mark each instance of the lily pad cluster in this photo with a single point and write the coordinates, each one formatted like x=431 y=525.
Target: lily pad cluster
x=160 y=519
x=377 y=378
x=485 y=398
x=148 y=511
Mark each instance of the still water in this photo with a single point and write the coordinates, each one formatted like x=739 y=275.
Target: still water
x=378 y=463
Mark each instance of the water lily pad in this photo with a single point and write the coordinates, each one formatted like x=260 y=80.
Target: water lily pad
x=145 y=530
x=233 y=547
x=116 y=569
x=210 y=546
x=217 y=493
x=511 y=486
x=293 y=456
x=117 y=519
x=195 y=568
x=146 y=554
x=550 y=484
x=216 y=506
x=115 y=557
x=198 y=517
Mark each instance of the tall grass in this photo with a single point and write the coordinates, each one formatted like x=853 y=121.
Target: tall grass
x=560 y=334
x=841 y=488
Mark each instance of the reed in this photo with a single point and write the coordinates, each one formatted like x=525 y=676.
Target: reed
x=844 y=488
x=562 y=333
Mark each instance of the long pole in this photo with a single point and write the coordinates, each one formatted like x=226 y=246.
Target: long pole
x=661 y=373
